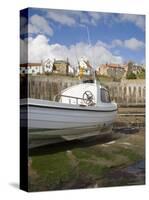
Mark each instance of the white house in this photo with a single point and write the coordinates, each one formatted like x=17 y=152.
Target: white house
x=31 y=68
x=84 y=67
x=47 y=65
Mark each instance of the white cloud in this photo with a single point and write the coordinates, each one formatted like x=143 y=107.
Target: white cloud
x=71 y=18
x=38 y=24
x=84 y=19
x=111 y=18
x=133 y=44
x=23 y=51
x=138 y=20
x=40 y=49
x=117 y=42
x=95 y=15
x=103 y=44
x=62 y=17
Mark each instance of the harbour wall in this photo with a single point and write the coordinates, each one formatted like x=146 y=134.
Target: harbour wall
x=126 y=92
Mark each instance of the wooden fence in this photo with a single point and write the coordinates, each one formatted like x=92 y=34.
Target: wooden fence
x=126 y=92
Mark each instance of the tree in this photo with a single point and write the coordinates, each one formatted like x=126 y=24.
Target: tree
x=131 y=75
x=141 y=74
x=130 y=66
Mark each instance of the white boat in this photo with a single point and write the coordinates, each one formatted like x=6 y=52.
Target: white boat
x=78 y=111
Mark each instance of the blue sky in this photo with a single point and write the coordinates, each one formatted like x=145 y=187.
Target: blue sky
x=100 y=37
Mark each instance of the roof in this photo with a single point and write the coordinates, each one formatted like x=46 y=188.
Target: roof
x=112 y=65
x=30 y=64
x=88 y=64
x=60 y=61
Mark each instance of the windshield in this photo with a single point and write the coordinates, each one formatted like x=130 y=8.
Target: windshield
x=105 y=97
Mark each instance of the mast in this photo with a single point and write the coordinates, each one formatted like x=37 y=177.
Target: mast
x=92 y=63
x=92 y=70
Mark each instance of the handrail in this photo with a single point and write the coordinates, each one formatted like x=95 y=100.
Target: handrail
x=77 y=98
x=61 y=95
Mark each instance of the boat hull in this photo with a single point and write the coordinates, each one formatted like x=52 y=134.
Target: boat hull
x=59 y=116
x=44 y=137
x=52 y=121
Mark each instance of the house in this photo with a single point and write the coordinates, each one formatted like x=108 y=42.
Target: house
x=107 y=69
x=62 y=67
x=136 y=68
x=47 y=66
x=31 y=68
x=84 y=68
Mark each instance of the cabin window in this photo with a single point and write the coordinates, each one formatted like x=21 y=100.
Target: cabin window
x=54 y=68
x=105 y=97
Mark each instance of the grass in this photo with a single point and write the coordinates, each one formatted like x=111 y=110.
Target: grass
x=83 y=166
x=53 y=169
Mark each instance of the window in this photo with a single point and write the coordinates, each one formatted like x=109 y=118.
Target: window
x=54 y=68
x=105 y=97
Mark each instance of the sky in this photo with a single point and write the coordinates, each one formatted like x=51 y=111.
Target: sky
x=96 y=36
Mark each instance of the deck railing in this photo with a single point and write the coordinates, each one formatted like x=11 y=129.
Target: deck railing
x=58 y=97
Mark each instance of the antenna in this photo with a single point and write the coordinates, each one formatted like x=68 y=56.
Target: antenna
x=88 y=36
x=89 y=42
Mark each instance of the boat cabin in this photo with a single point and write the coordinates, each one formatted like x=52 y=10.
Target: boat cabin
x=85 y=94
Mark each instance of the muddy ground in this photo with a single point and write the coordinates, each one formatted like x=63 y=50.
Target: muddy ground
x=115 y=159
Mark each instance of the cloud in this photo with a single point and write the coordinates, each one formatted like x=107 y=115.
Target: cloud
x=36 y=25
x=23 y=51
x=78 y=18
x=39 y=25
x=96 y=17
x=110 y=18
x=116 y=43
x=23 y=25
x=71 y=18
x=61 y=17
x=23 y=21
x=138 y=20
x=40 y=49
x=133 y=44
